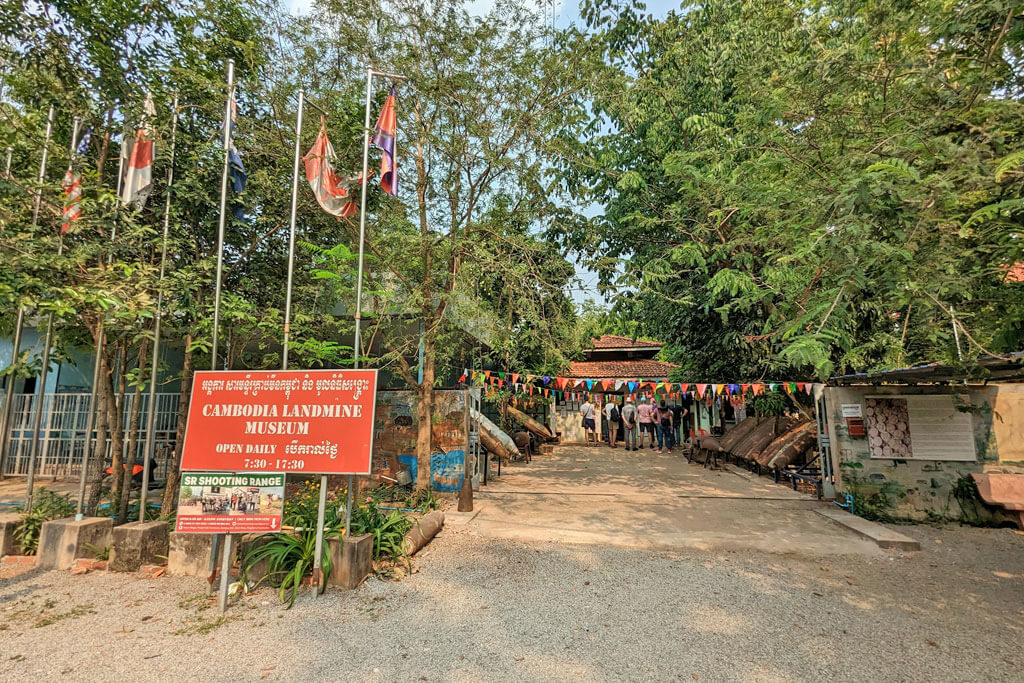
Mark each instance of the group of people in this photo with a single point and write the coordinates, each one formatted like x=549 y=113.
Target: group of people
x=651 y=420
x=242 y=503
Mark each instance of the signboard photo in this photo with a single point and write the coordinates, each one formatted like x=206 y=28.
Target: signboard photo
x=309 y=421
x=217 y=502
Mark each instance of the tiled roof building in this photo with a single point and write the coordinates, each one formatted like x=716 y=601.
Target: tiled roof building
x=616 y=357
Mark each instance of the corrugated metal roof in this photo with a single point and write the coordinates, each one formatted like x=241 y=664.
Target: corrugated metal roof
x=1005 y=368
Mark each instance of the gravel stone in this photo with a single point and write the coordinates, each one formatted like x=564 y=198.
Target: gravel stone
x=494 y=609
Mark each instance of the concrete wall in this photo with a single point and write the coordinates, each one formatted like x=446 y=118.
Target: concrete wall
x=919 y=489
x=565 y=418
x=396 y=425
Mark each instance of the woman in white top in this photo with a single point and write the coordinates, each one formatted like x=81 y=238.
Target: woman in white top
x=589 y=425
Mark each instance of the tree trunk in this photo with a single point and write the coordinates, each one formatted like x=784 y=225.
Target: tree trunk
x=116 y=424
x=171 y=489
x=424 y=418
x=99 y=456
x=133 y=439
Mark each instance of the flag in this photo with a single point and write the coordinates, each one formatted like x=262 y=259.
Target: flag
x=83 y=144
x=138 y=178
x=384 y=139
x=72 y=195
x=330 y=190
x=73 y=187
x=236 y=170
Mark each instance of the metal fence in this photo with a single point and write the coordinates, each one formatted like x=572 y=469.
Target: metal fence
x=62 y=432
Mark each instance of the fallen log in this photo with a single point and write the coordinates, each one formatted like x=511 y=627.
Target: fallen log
x=422 y=531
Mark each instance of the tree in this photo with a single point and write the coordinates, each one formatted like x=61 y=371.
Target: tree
x=479 y=110
x=475 y=188
x=97 y=62
x=804 y=187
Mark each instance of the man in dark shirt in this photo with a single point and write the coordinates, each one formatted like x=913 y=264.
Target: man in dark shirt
x=687 y=421
x=677 y=420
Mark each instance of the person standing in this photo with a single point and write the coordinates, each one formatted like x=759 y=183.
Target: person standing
x=645 y=417
x=629 y=424
x=678 y=412
x=612 y=415
x=589 y=425
x=687 y=416
x=663 y=420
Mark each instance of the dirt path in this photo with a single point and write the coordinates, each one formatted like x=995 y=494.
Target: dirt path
x=654 y=501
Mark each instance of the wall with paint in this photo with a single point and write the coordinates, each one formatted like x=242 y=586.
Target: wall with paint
x=566 y=418
x=394 y=441
x=916 y=444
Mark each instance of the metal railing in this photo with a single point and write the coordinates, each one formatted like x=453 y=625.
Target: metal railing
x=62 y=434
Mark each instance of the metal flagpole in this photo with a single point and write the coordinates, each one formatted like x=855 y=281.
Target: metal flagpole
x=370 y=73
x=149 y=452
x=222 y=539
x=90 y=422
x=956 y=334
x=5 y=419
x=223 y=210
x=291 y=232
x=322 y=503
x=359 y=272
x=319 y=542
x=48 y=340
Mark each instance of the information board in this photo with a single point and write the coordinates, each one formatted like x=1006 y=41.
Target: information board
x=310 y=421
x=218 y=503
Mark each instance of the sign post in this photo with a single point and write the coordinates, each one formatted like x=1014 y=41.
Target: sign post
x=245 y=428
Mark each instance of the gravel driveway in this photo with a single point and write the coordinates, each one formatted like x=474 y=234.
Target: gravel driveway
x=497 y=609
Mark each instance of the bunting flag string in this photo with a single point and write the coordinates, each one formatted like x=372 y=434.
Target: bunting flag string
x=575 y=388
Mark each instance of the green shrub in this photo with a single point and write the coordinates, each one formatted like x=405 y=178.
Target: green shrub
x=46 y=505
x=388 y=530
x=300 y=507
x=290 y=559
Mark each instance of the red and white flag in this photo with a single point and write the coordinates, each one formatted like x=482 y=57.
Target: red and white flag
x=73 y=186
x=72 y=195
x=138 y=176
x=332 y=192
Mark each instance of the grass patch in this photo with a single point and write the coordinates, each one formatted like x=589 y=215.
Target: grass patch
x=201 y=625
x=77 y=611
x=199 y=602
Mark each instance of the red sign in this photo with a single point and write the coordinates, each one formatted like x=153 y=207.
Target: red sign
x=313 y=421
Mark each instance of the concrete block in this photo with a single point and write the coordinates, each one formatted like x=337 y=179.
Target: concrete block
x=352 y=559
x=9 y=521
x=189 y=554
x=62 y=541
x=882 y=536
x=136 y=544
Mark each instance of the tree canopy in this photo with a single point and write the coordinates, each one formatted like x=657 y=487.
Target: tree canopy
x=806 y=187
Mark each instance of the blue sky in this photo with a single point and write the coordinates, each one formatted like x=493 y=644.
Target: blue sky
x=566 y=13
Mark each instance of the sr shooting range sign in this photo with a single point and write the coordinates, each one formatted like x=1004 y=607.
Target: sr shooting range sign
x=218 y=503
x=308 y=421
